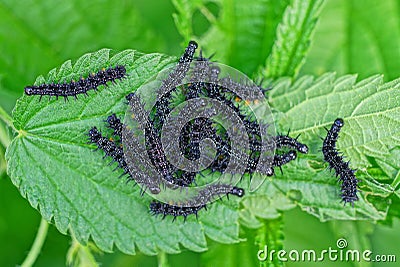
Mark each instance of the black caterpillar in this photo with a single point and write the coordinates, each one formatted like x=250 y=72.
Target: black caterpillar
x=287 y=141
x=109 y=147
x=345 y=174
x=155 y=152
x=207 y=194
x=117 y=154
x=82 y=86
x=169 y=85
x=282 y=159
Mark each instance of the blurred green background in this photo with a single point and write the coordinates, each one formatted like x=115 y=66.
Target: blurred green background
x=352 y=37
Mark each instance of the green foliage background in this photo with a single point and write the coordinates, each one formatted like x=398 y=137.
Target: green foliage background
x=360 y=37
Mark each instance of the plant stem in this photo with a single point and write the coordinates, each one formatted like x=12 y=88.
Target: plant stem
x=7 y=119
x=270 y=236
x=162 y=259
x=81 y=255
x=37 y=244
x=5 y=139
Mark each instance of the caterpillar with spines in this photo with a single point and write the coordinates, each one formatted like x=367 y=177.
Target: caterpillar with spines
x=194 y=205
x=75 y=88
x=345 y=174
x=174 y=78
x=110 y=149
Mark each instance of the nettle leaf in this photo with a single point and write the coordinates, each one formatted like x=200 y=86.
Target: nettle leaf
x=293 y=38
x=370 y=139
x=371 y=111
x=267 y=206
x=57 y=171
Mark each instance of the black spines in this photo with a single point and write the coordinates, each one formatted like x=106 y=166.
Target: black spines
x=162 y=110
x=109 y=147
x=82 y=86
x=224 y=95
x=331 y=137
x=282 y=159
x=287 y=141
x=159 y=160
x=192 y=134
x=223 y=155
x=129 y=97
x=207 y=194
x=180 y=71
x=118 y=73
x=200 y=73
x=187 y=57
x=184 y=178
x=212 y=87
x=169 y=85
x=345 y=174
x=331 y=155
x=263 y=166
x=165 y=209
x=156 y=153
x=153 y=143
x=279 y=141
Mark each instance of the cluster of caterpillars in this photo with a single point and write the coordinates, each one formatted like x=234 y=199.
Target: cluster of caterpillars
x=204 y=82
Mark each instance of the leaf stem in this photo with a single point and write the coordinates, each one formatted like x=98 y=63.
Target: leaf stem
x=81 y=255
x=37 y=244
x=7 y=119
x=162 y=259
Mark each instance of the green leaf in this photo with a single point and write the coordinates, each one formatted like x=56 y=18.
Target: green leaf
x=310 y=104
x=371 y=112
x=267 y=206
x=241 y=34
x=394 y=210
x=356 y=37
x=293 y=38
x=57 y=171
x=307 y=106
